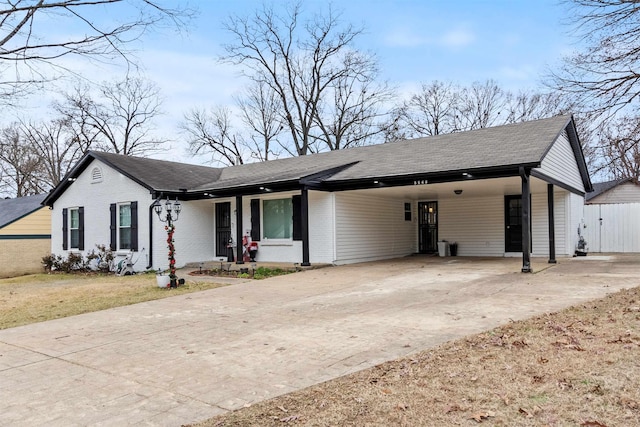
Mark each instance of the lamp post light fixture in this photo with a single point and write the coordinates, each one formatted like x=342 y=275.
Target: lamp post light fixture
x=166 y=215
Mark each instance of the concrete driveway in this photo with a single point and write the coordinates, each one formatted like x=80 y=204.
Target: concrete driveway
x=187 y=358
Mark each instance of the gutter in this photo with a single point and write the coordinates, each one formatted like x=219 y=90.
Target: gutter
x=151 y=212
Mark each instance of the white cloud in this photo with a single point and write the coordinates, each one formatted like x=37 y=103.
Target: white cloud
x=459 y=37
x=411 y=38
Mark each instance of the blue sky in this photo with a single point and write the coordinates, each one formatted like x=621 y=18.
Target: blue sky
x=512 y=42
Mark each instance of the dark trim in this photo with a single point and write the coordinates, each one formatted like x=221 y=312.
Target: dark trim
x=304 y=225
x=151 y=213
x=113 y=230
x=549 y=180
x=65 y=229
x=296 y=206
x=134 y=226
x=81 y=228
x=552 y=225
x=25 y=236
x=526 y=220
x=255 y=220
x=316 y=179
x=427 y=178
x=239 y=254
x=574 y=140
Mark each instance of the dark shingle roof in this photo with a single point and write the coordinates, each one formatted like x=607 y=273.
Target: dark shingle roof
x=13 y=209
x=498 y=147
x=521 y=143
x=160 y=174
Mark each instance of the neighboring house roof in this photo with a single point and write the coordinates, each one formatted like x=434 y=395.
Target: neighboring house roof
x=501 y=149
x=600 y=188
x=12 y=210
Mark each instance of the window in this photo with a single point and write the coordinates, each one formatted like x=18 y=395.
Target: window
x=407 y=211
x=74 y=228
x=277 y=218
x=124 y=226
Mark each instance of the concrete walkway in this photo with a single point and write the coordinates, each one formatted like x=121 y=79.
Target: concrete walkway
x=187 y=358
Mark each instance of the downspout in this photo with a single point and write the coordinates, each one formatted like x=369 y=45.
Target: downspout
x=151 y=212
x=526 y=220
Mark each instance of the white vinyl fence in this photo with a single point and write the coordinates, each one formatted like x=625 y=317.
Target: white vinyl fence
x=612 y=228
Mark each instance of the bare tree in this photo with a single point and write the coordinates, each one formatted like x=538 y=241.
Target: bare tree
x=525 y=106
x=479 y=106
x=615 y=149
x=304 y=63
x=603 y=75
x=20 y=164
x=431 y=111
x=212 y=133
x=102 y=29
x=603 y=81
x=261 y=107
x=57 y=146
x=356 y=113
x=121 y=122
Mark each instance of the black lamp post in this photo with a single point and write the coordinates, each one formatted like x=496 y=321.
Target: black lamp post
x=166 y=215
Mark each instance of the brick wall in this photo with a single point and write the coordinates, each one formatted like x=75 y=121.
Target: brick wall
x=22 y=256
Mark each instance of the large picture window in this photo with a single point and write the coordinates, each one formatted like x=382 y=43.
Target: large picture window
x=277 y=218
x=124 y=226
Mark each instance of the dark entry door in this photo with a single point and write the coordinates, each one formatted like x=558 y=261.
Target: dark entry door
x=223 y=228
x=427 y=227
x=513 y=224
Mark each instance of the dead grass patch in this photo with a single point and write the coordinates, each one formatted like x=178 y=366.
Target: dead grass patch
x=40 y=297
x=577 y=367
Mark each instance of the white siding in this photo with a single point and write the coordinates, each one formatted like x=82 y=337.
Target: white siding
x=193 y=229
x=96 y=198
x=540 y=225
x=370 y=227
x=612 y=227
x=476 y=224
x=194 y=237
x=321 y=227
x=560 y=203
x=623 y=193
x=560 y=163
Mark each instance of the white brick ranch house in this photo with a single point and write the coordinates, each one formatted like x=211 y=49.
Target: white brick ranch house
x=514 y=190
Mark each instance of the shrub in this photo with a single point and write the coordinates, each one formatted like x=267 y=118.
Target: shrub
x=75 y=262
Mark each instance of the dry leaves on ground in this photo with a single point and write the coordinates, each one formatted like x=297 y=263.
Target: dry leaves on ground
x=575 y=367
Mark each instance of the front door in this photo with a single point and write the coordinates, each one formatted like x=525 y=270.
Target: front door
x=427 y=227
x=223 y=228
x=513 y=224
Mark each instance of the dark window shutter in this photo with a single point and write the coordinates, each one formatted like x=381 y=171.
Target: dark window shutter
x=81 y=228
x=65 y=229
x=113 y=243
x=297 y=217
x=255 y=220
x=134 y=226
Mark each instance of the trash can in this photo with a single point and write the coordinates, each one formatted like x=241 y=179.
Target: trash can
x=443 y=248
x=453 y=249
